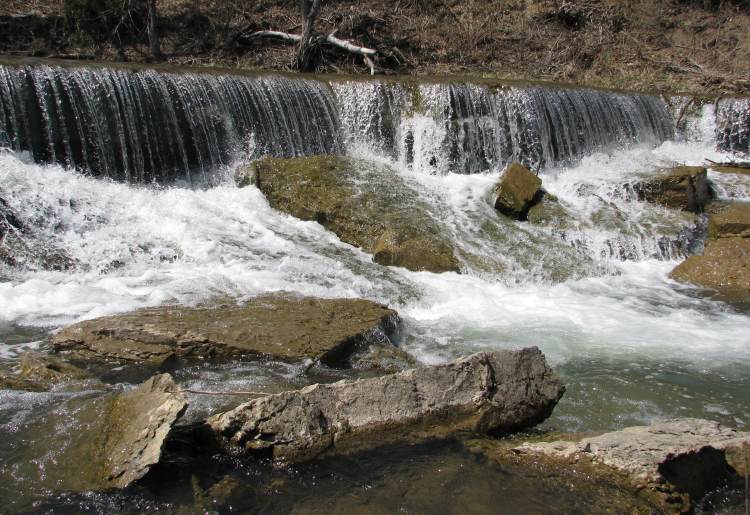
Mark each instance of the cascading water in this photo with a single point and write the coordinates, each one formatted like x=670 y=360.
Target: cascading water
x=733 y=125
x=469 y=128
x=146 y=126
x=589 y=286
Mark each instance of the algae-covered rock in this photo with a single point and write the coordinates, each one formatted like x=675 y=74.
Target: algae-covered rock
x=38 y=372
x=681 y=460
x=682 y=187
x=365 y=204
x=730 y=222
x=498 y=391
x=284 y=326
x=724 y=266
x=517 y=191
x=740 y=168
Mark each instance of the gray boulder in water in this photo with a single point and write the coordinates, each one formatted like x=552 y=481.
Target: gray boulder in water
x=678 y=460
x=490 y=391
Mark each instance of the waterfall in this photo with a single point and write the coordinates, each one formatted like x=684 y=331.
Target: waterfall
x=470 y=128
x=733 y=125
x=146 y=126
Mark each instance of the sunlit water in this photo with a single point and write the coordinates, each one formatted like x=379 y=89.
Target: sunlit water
x=632 y=345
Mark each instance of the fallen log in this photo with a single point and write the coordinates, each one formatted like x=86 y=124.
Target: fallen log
x=502 y=391
x=366 y=53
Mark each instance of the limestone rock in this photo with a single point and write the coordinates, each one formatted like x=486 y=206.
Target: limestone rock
x=732 y=221
x=500 y=391
x=283 y=326
x=682 y=187
x=741 y=168
x=724 y=266
x=687 y=456
x=138 y=424
x=365 y=204
x=517 y=191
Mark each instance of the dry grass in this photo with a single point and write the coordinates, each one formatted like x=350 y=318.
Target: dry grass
x=699 y=47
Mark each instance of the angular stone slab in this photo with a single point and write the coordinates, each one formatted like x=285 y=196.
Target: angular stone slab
x=687 y=456
x=517 y=191
x=137 y=426
x=682 y=187
x=283 y=326
x=499 y=391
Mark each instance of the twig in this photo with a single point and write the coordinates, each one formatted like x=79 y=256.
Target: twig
x=219 y=394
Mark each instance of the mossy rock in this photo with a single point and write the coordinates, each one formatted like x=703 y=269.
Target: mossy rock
x=518 y=190
x=365 y=204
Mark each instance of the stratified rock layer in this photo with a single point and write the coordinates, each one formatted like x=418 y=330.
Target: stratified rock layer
x=365 y=204
x=685 y=456
x=500 y=391
x=682 y=187
x=283 y=326
x=730 y=222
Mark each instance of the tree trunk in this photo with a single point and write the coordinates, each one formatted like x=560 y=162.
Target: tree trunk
x=306 y=50
x=153 y=34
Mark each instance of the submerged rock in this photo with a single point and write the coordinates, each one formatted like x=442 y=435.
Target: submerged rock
x=283 y=326
x=517 y=191
x=365 y=204
x=682 y=187
x=38 y=372
x=724 y=266
x=681 y=460
x=500 y=391
x=730 y=222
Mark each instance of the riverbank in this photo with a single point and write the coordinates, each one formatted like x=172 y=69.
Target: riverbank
x=697 y=48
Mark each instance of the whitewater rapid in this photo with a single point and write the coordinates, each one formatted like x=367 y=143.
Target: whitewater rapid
x=617 y=314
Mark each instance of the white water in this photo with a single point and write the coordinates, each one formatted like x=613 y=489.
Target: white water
x=138 y=246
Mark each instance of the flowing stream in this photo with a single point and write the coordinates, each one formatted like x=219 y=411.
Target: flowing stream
x=128 y=173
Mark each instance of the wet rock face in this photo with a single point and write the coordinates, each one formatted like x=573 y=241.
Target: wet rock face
x=686 y=457
x=282 y=326
x=518 y=190
x=724 y=266
x=500 y=391
x=137 y=426
x=365 y=204
x=730 y=222
x=682 y=187
x=38 y=372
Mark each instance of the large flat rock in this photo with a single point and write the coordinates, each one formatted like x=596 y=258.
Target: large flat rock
x=284 y=326
x=686 y=456
x=724 y=266
x=365 y=204
x=499 y=391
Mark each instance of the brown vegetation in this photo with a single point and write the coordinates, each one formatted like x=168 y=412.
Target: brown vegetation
x=698 y=46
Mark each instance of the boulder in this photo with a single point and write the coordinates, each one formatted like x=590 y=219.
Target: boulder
x=682 y=187
x=283 y=326
x=724 y=266
x=367 y=205
x=686 y=457
x=730 y=222
x=500 y=391
x=741 y=168
x=517 y=191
